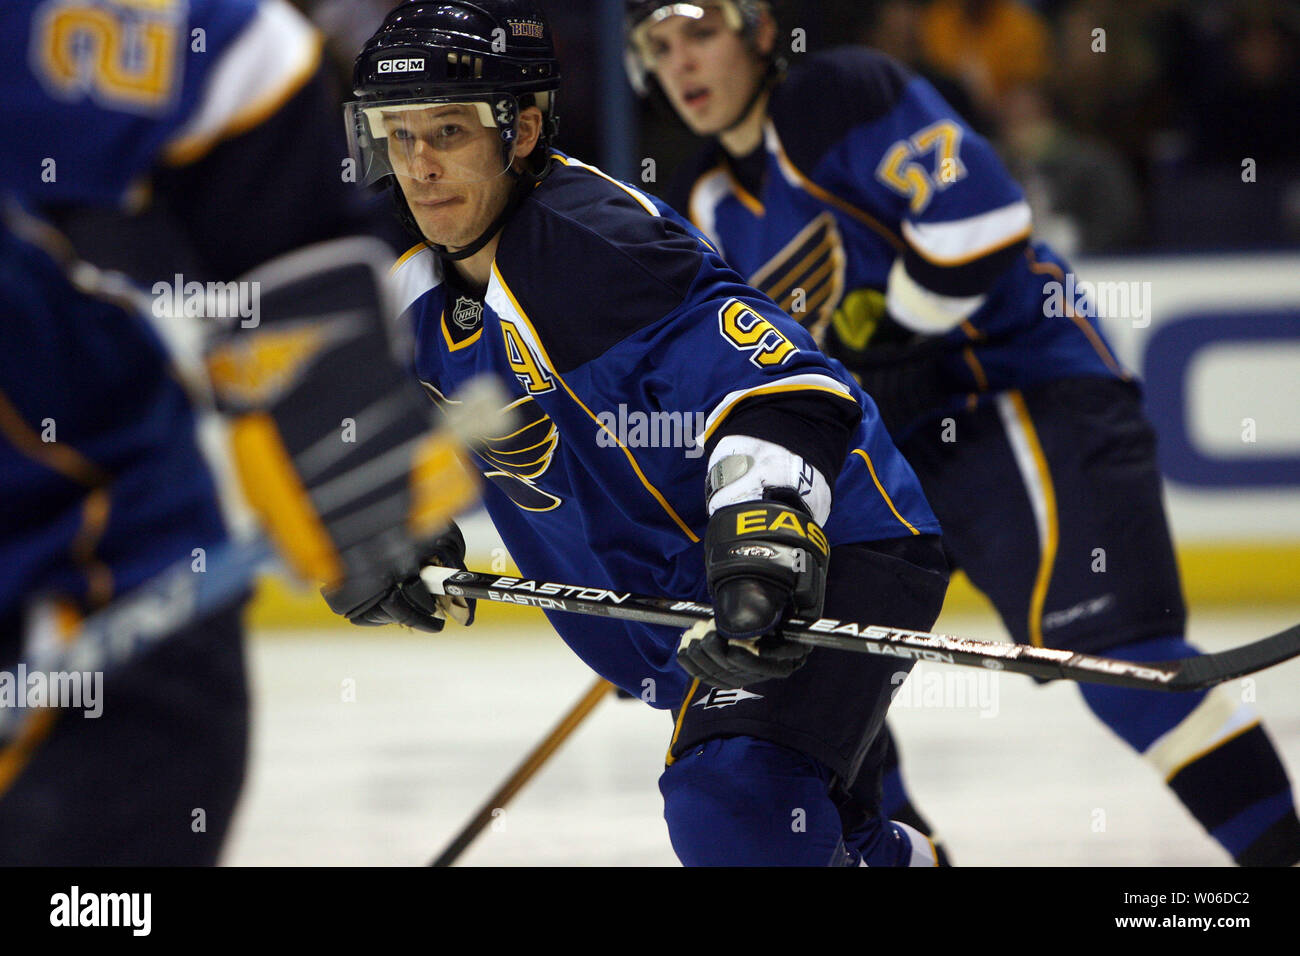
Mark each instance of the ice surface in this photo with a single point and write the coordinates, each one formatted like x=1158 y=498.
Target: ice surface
x=1011 y=773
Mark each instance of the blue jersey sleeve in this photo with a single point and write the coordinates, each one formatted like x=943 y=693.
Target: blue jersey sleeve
x=885 y=145
x=670 y=328
x=101 y=91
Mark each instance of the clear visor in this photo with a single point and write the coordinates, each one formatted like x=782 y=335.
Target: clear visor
x=644 y=44
x=432 y=140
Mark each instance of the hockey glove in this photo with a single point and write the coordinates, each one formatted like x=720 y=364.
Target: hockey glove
x=897 y=367
x=766 y=561
x=905 y=387
x=407 y=601
x=333 y=441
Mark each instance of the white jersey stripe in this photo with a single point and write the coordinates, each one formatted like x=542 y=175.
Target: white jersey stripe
x=709 y=191
x=270 y=60
x=965 y=240
x=640 y=197
x=413 y=277
x=1218 y=717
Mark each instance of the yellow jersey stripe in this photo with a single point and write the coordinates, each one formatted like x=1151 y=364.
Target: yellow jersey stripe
x=681 y=716
x=655 y=493
x=409 y=253
x=720 y=413
x=883 y=493
x=1055 y=271
x=1212 y=747
x=1042 y=494
x=57 y=456
x=796 y=176
x=454 y=346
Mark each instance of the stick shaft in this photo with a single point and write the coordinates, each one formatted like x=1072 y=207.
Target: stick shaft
x=1179 y=675
x=525 y=771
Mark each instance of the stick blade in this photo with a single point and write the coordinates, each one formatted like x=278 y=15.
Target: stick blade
x=1196 y=673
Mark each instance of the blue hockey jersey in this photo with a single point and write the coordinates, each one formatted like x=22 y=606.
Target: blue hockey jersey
x=99 y=92
x=101 y=477
x=623 y=337
x=861 y=165
x=102 y=484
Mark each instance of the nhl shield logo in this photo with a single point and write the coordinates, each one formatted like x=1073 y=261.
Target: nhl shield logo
x=468 y=313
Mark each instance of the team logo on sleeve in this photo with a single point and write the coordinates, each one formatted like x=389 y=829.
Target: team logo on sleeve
x=515 y=461
x=806 y=278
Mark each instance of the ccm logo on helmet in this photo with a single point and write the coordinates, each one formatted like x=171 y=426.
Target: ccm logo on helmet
x=413 y=65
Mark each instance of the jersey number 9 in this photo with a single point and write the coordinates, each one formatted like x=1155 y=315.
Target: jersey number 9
x=750 y=332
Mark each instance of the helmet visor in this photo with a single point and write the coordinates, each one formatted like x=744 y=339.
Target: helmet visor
x=453 y=140
x=643 y=44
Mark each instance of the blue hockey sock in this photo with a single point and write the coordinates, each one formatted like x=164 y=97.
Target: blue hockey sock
x=1141 y=716
x=740 y=801
x=895 y=800
x=1213 y=753
x=891 y=843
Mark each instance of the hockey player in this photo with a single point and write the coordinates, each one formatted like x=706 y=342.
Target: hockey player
x=217 y=113
x=587 y=297
x=851 y=193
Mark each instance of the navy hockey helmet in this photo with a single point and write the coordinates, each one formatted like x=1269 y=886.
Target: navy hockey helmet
x=445 y=79
x=495 y=57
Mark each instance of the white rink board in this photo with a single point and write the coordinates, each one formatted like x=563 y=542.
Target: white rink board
x=1225 y=383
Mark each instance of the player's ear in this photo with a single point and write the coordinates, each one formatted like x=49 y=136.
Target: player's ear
x=765 y=35
x=530 y=131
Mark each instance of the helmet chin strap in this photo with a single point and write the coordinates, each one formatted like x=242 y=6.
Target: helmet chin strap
x=524 y=184
x=517 y=194
x=770 y=77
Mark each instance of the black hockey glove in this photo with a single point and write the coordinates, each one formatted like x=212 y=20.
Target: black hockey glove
x=905 y=387
x=766 y=561
x=408 y=601
x=897 y=367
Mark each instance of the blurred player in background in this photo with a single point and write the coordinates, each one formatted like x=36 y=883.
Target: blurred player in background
x=170 y=137
x=851 y=193
x=588 y=297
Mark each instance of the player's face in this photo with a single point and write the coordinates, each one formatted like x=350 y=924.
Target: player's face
x=705 y=68
x=451 y=170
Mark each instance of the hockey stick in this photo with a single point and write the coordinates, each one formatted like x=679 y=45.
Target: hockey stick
x=1194 y=673
x=151 y=612
x=182 y=594
x=525 y=771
